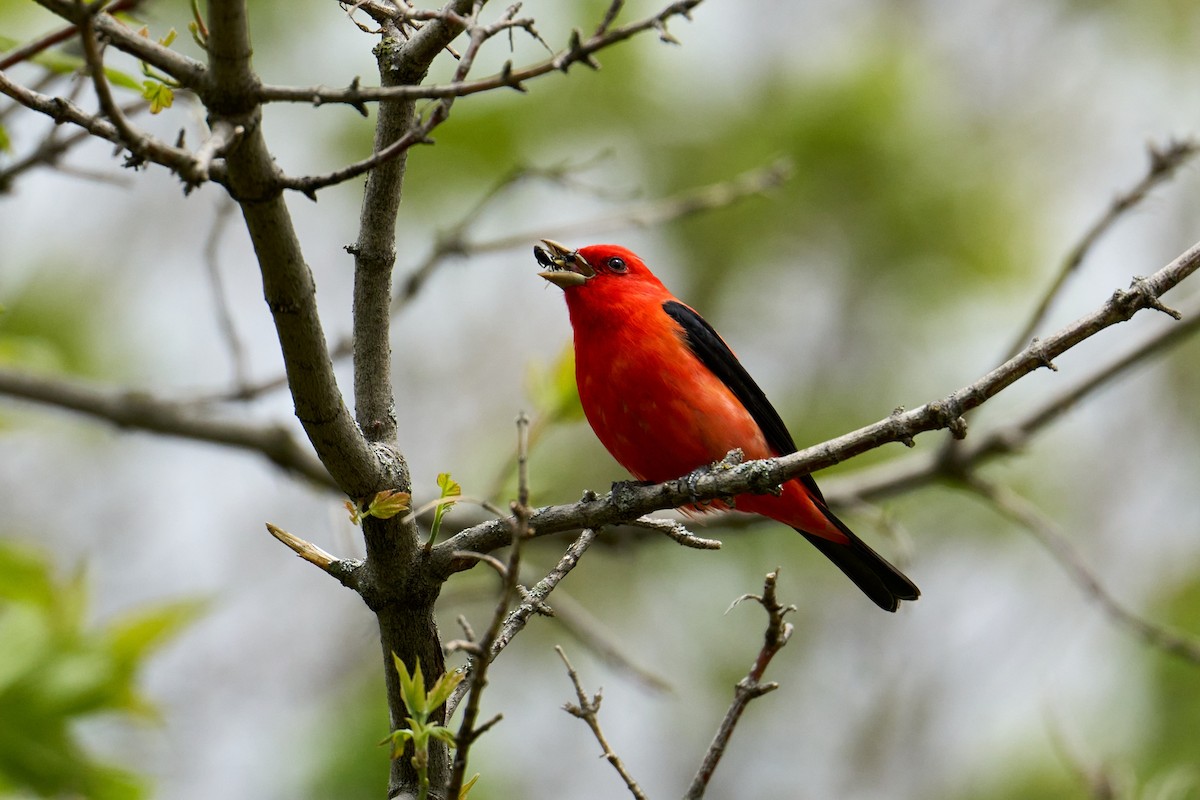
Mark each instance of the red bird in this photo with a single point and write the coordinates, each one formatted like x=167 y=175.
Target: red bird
x=666 y=395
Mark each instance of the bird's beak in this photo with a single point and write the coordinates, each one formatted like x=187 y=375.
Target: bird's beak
x=564 y=267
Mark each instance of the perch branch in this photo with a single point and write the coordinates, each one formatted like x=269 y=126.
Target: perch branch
x=901 y=426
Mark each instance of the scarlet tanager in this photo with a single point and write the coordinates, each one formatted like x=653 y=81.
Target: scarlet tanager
x=666 y=395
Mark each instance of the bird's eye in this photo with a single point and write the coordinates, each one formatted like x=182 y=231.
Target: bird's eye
x=617 y=264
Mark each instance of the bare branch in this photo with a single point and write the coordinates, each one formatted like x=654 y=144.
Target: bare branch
x=186 y=71
x=901 y=426
x=654 y=213
x=577 y=51
x=675 y=531
x=750 y=687
x=477 y=668
x=61 y=110
x=1020 y=510
x=225 y=324
x=578 y=621
x=416 y=132
x=52 y=148
x=141 y=411
x=587 y=710
x=1164 y=163
x=535 y=599
x=903 y=474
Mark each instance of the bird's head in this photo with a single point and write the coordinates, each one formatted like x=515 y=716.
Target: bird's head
x=607 y=265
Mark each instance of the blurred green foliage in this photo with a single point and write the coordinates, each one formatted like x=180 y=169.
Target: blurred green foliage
x=56 y=670
x=48 y=326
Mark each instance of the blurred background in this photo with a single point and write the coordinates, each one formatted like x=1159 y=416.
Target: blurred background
x=944 y=158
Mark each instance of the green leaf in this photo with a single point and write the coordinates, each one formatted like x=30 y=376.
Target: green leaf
x=24 y=576
x=444 y=687
x=388 y=503
x=398 y=740
x=27 y=639
x=137 y=634
x=122 y=79
x=442 y=734
x=412 y=688
x=450 y=489
x=448 y=485
x=159 y=95
x=5 y=142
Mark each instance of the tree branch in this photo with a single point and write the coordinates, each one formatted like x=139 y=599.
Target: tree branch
x=577 y=51
x=400 y=63
x=140 y=411
x=61 y=110
x=481 y=659
x=186 y=71
x=1164 y=163
x=287 y=281
x=903 y=474
x=750 y=687
x=588 y=711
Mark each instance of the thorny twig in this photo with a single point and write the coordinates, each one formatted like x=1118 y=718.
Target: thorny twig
x=587 y=711
x=1164 y=163
x=477 y=669
x=578 y=51
x=750 y=687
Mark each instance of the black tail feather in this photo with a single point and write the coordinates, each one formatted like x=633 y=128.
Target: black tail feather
x=878 y=580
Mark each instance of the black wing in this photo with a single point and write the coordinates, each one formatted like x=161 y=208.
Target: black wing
x=882 y=582
x=708 y=346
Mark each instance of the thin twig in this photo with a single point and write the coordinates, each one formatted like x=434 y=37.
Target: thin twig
x=587 y=710
x=62 y=110
x=420 y=132
x=1047 y=533
x=188 y=72
x=675 y=531
x=133 y=140
x=654 y=213
x=225 y=324
x=750 y=687
x=142 y=411
x=1164 y=163
x=477 y=667
x=535 y=598
x=579 y=621
x=45 y=42
x=52 y=148
x=578 y=51
x=900 y=475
